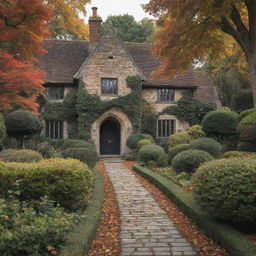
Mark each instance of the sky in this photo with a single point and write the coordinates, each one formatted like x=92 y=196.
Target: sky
x=116 y=7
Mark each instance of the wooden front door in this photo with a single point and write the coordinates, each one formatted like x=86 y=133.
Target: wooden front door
x=110 y=137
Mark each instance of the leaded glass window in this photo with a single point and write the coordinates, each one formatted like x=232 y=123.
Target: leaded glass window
x=165 y=128
x=109 y=86
x=55 y=92
x=54 y=129
x=165 y=95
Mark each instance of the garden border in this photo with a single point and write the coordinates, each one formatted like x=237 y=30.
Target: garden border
x=80 y=238
x=230 y=239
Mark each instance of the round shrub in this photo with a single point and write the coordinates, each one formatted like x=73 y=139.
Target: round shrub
x=226 y=189
x=68 y=182
x=189 y=160
x=22 y=123
x=176 y=150
x=149 y=153
x=2 y=130
x=208 y=145
x=243 y=100
x=195 y=132
x=143 y=143
x=164 y=143
x=246 y=113
x=77 y=144
x=86 y=155
x=247 y=128
x=47 y=150
x=162 y=160
x=220 y=122
x=179 y=138
x=20 y=156
x=148 y=137
x=133 y=140
x=237 y=154
x=246 y=147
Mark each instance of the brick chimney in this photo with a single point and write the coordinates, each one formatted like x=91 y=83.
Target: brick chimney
x=94 y=26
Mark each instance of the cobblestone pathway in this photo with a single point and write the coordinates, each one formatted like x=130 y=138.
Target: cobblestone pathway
x=146 y=229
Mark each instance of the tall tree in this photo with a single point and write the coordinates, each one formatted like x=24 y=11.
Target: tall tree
x=65 y=22
x=129 y=29
x=23 y=25
x=195 y=29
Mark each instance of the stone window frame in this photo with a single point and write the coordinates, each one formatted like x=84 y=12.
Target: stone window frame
x=109 y=94
x=53 y=93
x=166 y=95
x=54 y=129
x=165 y=127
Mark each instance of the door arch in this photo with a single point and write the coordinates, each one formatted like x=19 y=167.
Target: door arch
x=110 y=133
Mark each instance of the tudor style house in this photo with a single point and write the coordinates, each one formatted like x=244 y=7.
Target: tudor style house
x=100 y=67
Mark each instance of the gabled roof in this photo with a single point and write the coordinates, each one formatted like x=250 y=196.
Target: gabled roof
x=65 y=58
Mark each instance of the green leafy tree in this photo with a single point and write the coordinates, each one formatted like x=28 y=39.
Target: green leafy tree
x=129 y=29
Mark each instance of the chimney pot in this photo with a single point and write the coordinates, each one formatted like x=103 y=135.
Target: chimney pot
x=94 y=11
x=94 y=26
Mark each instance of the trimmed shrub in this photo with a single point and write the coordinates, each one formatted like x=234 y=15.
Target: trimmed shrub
x=164 y=143
x=208 y=145
x=22 y=123
x=247 y=128
x=195 y=132
x=179 y=138
x=86 y=155
x=20 y=156
x=149 y=153
x=143 y=143
x=176 y=150
x=189 y=160
x=237 y=154
x=2 y=131
x=131 y=156
x=226 y=189
x=77 y=144
x=246 y=113
x=148 y=137
x=246 y=147
x=162 y=160
x=243 y=100
x=47 y=150
x=68 y=182
x=220 y=123
x=133 y=140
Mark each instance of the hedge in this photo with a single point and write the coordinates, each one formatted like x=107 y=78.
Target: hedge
x=233 y=241
x=20 y=156
x=79 y=240
x=77 y=144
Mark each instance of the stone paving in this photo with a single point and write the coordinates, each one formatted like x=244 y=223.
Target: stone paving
x=146 y=229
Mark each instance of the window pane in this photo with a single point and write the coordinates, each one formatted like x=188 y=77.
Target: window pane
x=166 y=95
x=109 y=86
x=55 y=92
x=54 y=129
x=165 y=128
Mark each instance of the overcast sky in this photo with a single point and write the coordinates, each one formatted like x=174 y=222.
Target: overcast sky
x=115 y=7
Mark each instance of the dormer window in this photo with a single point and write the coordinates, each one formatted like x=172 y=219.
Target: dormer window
x=165 y=95
x=55 y=92
x=109 y=86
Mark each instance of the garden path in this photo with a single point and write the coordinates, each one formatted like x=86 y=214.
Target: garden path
x=146 y=229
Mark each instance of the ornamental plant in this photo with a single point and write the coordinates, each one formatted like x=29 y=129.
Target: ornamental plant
x=225 y=188
x=149 y=154
x=20 y=156
x=176 y=150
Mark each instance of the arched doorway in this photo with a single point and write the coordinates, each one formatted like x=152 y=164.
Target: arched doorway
x=110 y=137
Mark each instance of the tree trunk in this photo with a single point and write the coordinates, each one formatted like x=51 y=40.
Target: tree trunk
x=252 y=67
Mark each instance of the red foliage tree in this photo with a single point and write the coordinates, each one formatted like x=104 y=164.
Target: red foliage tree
x=23 y=26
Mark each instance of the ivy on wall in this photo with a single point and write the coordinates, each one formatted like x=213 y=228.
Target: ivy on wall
x=90 y=107
x=189 y=109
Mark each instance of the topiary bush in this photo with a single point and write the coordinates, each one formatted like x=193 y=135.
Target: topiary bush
x=22 y=123
x=247 y=128
x=179 y=138
x=148 y=137
x=164 y=143
x=246 y=113
x=47 y=150
x=176 y=150
x=162 y=160
x=246 y=147
x=226 y=188
x=208 y=145
x=133 y=140
x=237 y=154
x=220 y=123
x=195 y=132
x=20 y=156
x=77 y=144
x=86 y=155
x=2 y=131
x=189 y=160
x=143 y=143
x=68 y=182
x=131 y=156
x=150 y=153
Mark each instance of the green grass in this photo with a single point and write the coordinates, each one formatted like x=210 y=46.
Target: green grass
x=79 y=240
x=233 y=241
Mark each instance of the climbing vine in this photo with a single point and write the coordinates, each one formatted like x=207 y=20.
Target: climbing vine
x=90 y=107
